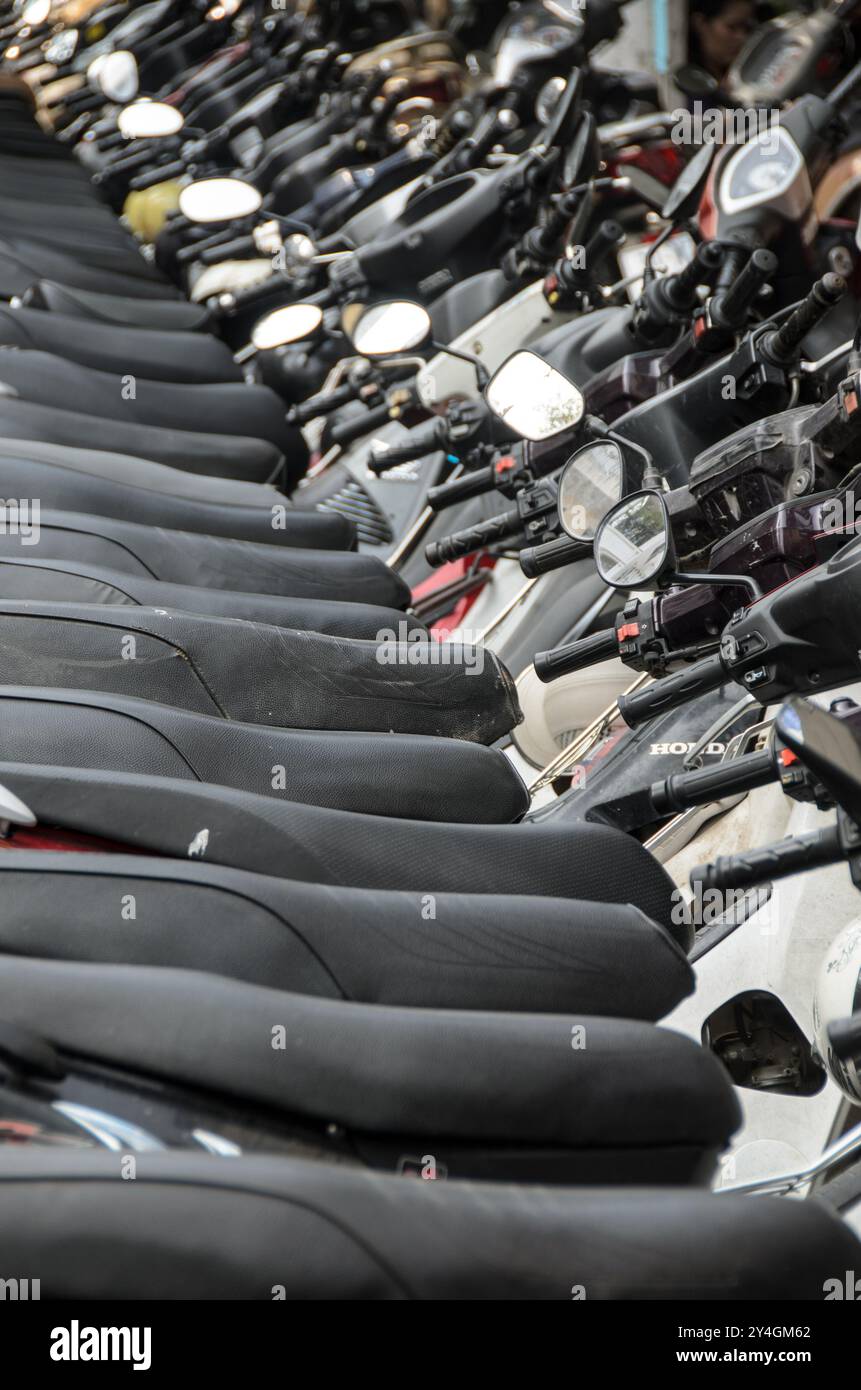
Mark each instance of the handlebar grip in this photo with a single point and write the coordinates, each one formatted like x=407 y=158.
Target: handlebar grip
x=734 y=303
x=474 y=538
x=823 y=296
x=237 y=246
x=473 y=484
x=536 y=560
x=815 y=850
x=361 y=424
x=424 y=439
x=686 y=789
x=667 y=694
x=162 y=174
x=324 y=404
x=844 y=1035
x=574 y=656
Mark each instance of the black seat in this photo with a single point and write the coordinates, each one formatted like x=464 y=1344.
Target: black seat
x=157 y=355
x=191 y=1227
x=404 y=775
x=60 y=581
x=571 y=1098
x=238 y=409
x=259 y=674
x=164 y=816
x=106 y=485
x=160 y=314
x=248 y=459
x=24 y=260
x=374 y=946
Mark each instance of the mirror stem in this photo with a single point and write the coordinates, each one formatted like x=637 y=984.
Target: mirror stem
x=652 y=479
x=742 y=581
x=481 y=372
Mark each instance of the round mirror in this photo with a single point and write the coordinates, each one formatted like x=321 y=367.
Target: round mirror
x=116 y=75
x=633 y=542
x=533 y=399
x=149 y=120
x=288 y=325
x=219 y=200
x=590 y=484
x=36 y=12
x=386 y=329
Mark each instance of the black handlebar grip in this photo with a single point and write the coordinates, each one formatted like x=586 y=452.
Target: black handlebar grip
x=733 y=304
x=473 y=484
x=844 y=1035
x=316 y=406
x=484 y=533
x=686 y=789
x=424 y=439
x=815 y=850
x=238 y=246
x=358 y=425
x=681 y=289
x=161 y=174
x=667 y=694
x=823 y=296
x=607 y=235
x=574 y=656
x=536 y=560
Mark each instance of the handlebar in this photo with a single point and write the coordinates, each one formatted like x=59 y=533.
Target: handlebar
x=574 y=656
x=361 y=424
x=782 y=344
x=484 y=533
x=536 y=560
x=844 y=1036
x=323 y=404
x=426 y=438
x=667 y=694
x=473 y=484
x=686 y=789
x=815 y=850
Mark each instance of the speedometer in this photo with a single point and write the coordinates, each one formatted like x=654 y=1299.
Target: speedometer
x=763 y=170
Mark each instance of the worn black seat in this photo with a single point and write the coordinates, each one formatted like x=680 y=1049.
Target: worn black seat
x=156 y=354
x=462 y=950
x=260 y=674
x=24 y=260
x=104 y=485
x=160 y=314
x=391 y=775
x=60 y=581
x=191 y=1226
x=573 y=1098
x=164 y=816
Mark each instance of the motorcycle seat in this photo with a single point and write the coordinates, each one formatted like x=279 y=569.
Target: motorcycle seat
x=157 y=355
x=161 y=315
x=259 y=674
x=234 y=408
x=312 y=844
x=114 y=486
x=244 y=458
x=59 y=581
x=637 y=1103
x=406 y=775
x=195 y=1230
x=366 y=945
x=24 y=260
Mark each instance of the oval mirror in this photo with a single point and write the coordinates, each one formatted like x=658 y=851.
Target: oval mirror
x=149 y=120
x=288 y=325
x=694 y=81
x=219 y=200
x=36 y=12
x=633 y=543
x=590 y=484
x=116 y=75
x=62 y=48
x=533 y=399
x=387 y=329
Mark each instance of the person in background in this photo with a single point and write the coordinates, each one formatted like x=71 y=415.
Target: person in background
x=719 y=29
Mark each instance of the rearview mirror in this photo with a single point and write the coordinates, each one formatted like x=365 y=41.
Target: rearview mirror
x=634 y=542
x=291 y=324
x=533 y=399
x=685 y=194
x=591 y=482
x=149 y=120
x=384 y=330
x=36 y=12
x=219 y=200
x=115 y=75
x=694 y=81
x=827 y=746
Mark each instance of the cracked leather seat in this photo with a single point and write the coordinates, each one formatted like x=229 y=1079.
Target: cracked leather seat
x=504 y=1094
x=260 y=674
x=60 y=581
x=534 y=954
x=157 y=355
x=196 y=1227
x=312 y=844
x=100 y=484
x=407 y=775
